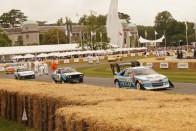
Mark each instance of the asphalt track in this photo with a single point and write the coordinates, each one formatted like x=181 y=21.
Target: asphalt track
x=180 y=88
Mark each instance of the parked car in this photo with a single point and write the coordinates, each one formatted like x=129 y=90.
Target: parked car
x=141 y=78
x=67 y=75
x=11 y=68
x=24 y=73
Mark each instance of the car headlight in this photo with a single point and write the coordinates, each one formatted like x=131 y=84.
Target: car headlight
x=81 y=75
x=144 y=81
x=165 y=79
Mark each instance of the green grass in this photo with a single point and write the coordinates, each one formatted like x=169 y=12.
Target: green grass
x=6 y=125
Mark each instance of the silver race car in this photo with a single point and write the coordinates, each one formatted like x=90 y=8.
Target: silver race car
x=141 y=78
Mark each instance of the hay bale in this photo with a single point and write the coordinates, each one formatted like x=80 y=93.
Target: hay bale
x=42 y=100
x=141 y=113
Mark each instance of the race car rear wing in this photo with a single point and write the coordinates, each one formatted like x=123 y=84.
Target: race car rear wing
x=115 y=67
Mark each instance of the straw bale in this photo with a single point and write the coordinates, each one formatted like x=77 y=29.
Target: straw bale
x=142 y=114
x=41 y=101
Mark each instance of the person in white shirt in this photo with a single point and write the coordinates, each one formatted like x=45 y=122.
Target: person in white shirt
x=97 y=59
x=45 y=68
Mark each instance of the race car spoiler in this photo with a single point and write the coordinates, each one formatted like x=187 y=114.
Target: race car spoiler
x=118 y=65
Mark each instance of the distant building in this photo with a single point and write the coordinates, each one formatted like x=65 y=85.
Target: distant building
x=30 y=32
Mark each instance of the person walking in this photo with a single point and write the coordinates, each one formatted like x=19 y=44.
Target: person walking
x=97 y=59
x=54 y=66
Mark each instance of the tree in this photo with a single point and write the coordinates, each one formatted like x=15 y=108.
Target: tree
x=124 y=16
x=94 y=32
x=4 y=39
x=162 y=20
x=52 y=37
x=12 y=18
x=60 y=22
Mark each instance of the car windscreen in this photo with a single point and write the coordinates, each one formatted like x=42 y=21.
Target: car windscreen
x=70 y=70
x=23 y=69
x=144 y=71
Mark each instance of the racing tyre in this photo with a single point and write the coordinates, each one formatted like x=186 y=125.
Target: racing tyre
x=117 y=84
x=139 y=86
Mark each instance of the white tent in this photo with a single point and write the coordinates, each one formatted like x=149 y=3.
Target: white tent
x=18 y=57
x=142 y=40
x=29 y=56
x=42 y=55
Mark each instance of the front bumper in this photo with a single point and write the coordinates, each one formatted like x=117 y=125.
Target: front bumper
x=154 y=86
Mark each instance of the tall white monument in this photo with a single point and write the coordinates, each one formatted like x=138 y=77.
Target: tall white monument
x=114 y=26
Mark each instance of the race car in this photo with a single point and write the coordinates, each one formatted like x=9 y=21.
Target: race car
x=24 y=73
x=141 y=78
x=11 y=68
x=67 y=75
x=114 y=58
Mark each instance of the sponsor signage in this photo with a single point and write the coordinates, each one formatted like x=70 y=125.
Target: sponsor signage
x=76 y=60
x=139 y=54
x=66 y=61
x=183 y=65
x=164 y=65
x=102 y=57
x=149 y=64
x=2 y=68
x=85 y=59
x=147 y=53
x=132 y=54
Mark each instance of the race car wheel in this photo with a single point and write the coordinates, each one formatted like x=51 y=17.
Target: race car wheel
x=117 y=84
x=138 y=86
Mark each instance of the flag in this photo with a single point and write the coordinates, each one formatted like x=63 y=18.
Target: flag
x=155 y=33
x=186 y=25
x=146 y=34
x=130 y=34
x=92 y=33
x=100 y=35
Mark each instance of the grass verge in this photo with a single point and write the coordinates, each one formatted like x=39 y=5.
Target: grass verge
x=6 y=125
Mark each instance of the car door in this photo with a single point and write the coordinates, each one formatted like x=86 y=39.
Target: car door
x=57 y=75
x=129 y=78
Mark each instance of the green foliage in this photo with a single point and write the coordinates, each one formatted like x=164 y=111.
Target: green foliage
x=95 y=24
x=20 y=41
x=4 y=39
x=175 y=30
x=12 y=18
x=51 y=37
x=6 y=125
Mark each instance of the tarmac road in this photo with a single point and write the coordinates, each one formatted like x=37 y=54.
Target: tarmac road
x=181 y=88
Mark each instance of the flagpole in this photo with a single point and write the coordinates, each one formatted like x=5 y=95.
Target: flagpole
x=165 y=40
x=186 y=34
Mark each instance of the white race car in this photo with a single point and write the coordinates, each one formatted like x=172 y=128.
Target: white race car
x=24 y=73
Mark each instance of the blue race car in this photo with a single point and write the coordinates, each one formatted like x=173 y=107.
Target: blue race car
x=67 y=75
x=141 y=78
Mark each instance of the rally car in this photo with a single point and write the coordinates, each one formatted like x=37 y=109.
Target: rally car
x=114 y=58
x=24 y=73
x=141 y=78
x=67 y=75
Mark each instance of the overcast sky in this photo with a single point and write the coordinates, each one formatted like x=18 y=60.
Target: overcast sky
x=142 y=12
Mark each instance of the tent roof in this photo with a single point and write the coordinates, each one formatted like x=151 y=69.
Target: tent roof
x=16 y=50
x=142 y=40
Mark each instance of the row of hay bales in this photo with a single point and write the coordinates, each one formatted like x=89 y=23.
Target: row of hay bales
x=67 y=107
